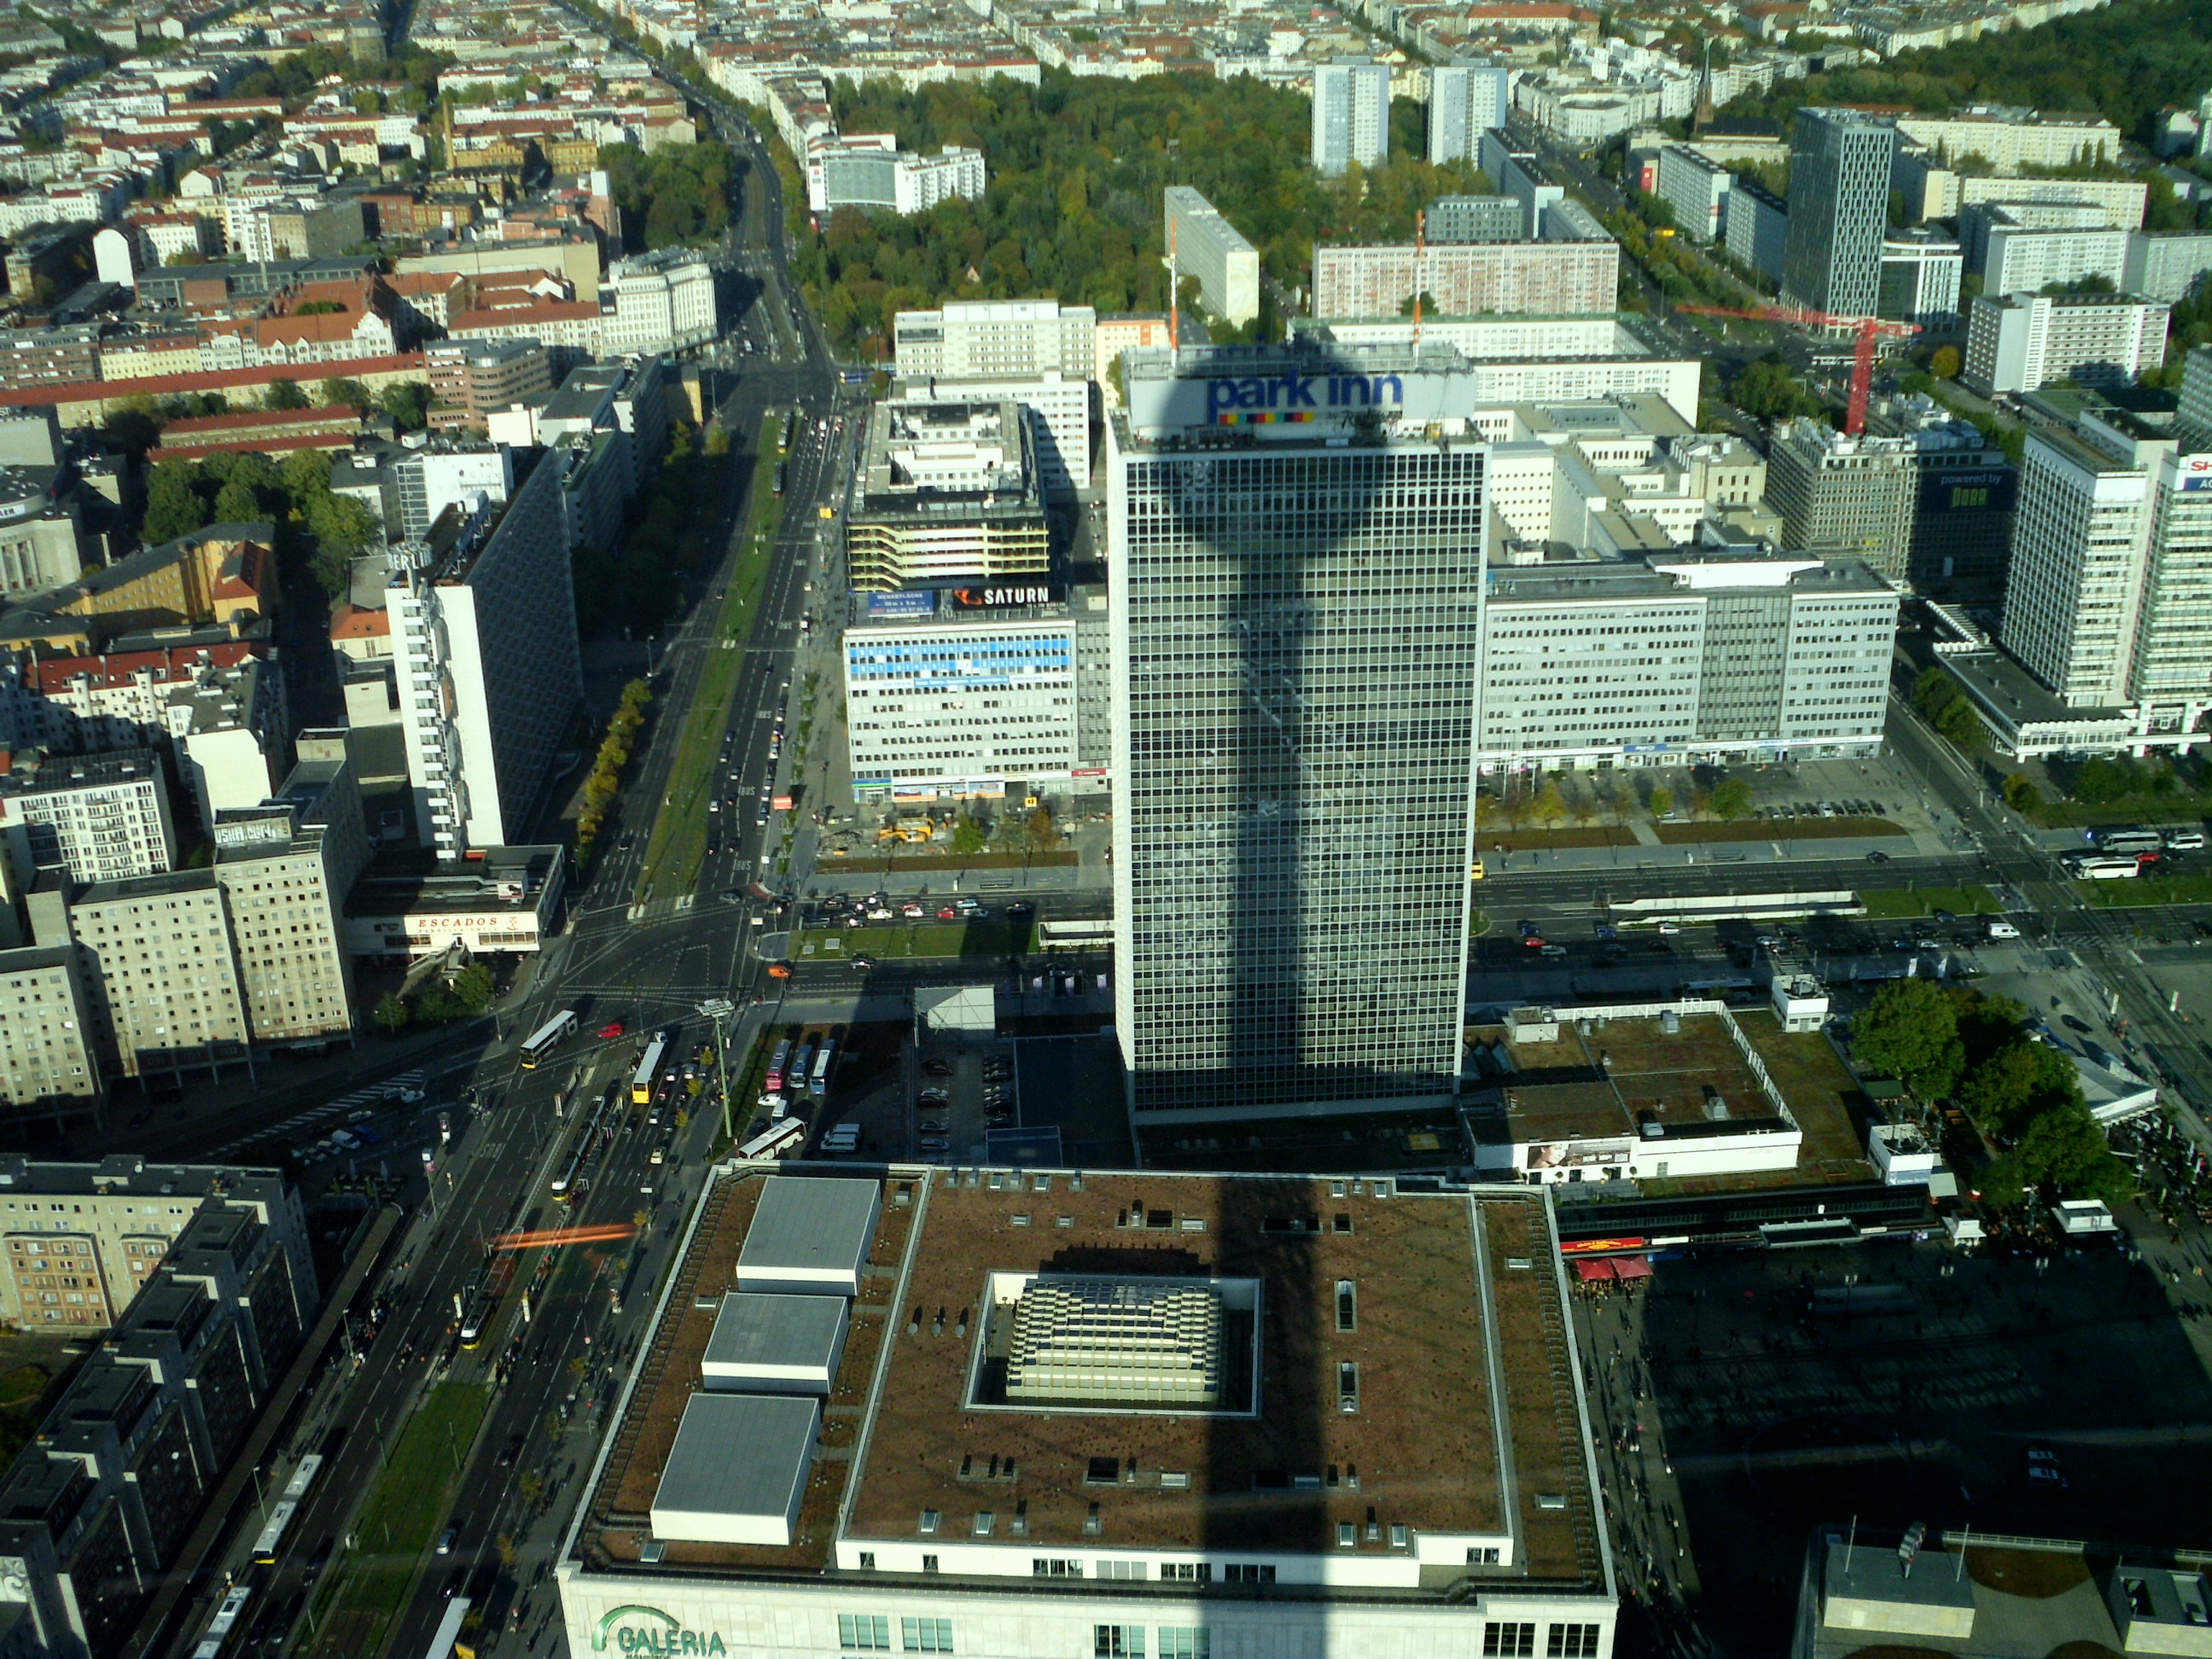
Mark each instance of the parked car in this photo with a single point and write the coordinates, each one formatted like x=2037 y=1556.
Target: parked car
x=612 y=1029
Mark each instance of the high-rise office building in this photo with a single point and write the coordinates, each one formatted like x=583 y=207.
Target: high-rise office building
x=1295 y=642
x=973 y=338
x=2080 y=542
x=1839 y=165
x=1464 y=101
x=1924 y=499
x=2111 y=598
x=1350 y=114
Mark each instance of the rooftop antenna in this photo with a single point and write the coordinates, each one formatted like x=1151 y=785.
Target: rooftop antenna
x=1420 y=242
x=1851 y=1538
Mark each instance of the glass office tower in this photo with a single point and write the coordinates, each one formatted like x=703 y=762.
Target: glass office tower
x=1295 y=610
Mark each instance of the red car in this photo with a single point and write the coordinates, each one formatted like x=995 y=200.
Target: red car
x=1532 y=942
x=947 y=913
x=612 y=1029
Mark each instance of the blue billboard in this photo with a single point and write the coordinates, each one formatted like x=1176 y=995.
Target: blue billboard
x=913 y=602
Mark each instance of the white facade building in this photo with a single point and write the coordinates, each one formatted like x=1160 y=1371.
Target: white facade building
x=660 y=303
x=1755 y=658
x=2018 y=341
x=2017 y=260
x=1464 y=101
x=2167 y=264
x=869 y=170
x=104 y=816
x=984 y=338
x=1351 y=114
x=489 y=672
x=1697 y=187
x=47 y=1056
x=954 y=708
x=1207 y=246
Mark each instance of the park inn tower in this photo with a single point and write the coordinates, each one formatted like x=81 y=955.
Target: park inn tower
x=1297 y=644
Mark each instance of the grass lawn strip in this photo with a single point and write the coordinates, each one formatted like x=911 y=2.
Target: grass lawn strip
x=2149 y=892
x=392 y=1530
x=1897 y=903
x=917 y=938
x=678 y=843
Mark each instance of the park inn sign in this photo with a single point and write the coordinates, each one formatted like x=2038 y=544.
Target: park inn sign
x=637 y=1628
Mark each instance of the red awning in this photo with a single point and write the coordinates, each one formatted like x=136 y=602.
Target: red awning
x=1590 y=1272
x=1630 y=1266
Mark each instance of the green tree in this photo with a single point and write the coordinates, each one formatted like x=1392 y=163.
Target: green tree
x=408 y=403
x=174 y=505
x=2020 y=1082
x=1043 y=833
x=1910 y=1031
x=1662 y=801
x=1958 y=723
x=1732 y=798
x=1944 y=364
x=350 y=393
x=474 y=988
x=969 y=836
x=2020 y=792
x=286 y=394
x=1550 y=808
x=235 y=502
x=391 y=1014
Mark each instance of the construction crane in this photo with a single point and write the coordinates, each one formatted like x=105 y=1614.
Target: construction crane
x=1869 y=330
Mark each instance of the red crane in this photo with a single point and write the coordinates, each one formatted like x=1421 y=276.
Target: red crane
x=1869 y=330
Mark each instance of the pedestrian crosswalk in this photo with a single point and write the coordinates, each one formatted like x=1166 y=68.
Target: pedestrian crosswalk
x=329 y=1114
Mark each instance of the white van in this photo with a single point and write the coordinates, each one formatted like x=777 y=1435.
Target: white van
x=2185 y=841
x=845 y=1138
x=1999 y=929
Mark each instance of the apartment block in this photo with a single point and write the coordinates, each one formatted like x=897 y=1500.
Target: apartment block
x=2166 y=264
x=489 y=672
x=1697 y=188
x=48 y=1061
x=285 y=868
x=161 y=971
x=1546 y=278
x=2018 y=260
x=1685 y=657
x=99 y=1505
x=992 y=339
x=948 y=492
x=1351 y=114
x=1207 y=246
x=1115 y=334
x=1464 y=101
x=119 y=1219
x=1925 y=499
x=105 y=817
x=1758 y=228
x=2018 y=341
x=2006 y=139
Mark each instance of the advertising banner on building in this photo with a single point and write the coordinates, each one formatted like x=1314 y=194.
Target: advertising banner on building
x=908 y=602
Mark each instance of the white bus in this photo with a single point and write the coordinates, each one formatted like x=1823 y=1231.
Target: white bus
x=547 y=1037
x=2130 y=840
x=783 y=1139
x=448 y=1643
x=2087 y=867
x=818 y=1081
x=641 y=1085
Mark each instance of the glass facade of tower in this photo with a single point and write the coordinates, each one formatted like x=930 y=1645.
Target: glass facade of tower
x=1840 y=167
x=1298 y=638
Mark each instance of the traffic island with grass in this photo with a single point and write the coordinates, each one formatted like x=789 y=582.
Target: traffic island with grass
x=1900 y=903
x=895 y=941
x=393 y=1530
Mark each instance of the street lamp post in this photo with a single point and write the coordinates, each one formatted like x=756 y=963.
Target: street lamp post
x=719 y=1010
